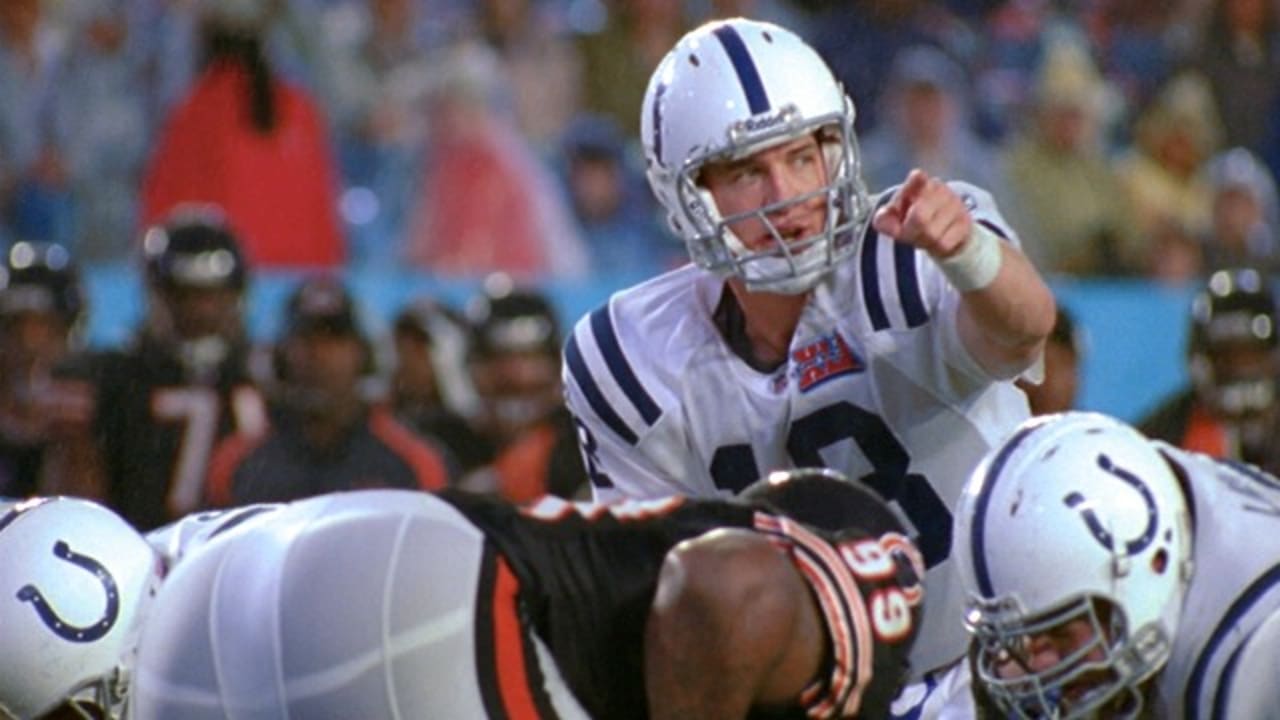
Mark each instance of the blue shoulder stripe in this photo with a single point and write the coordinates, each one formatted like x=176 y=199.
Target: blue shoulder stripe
x=904 y=264
x=240 y=517
x=1226 y=629
x=1222 y=695
x=1000 y=233
x=581 y=375
x=607 y=339
x=871 y=280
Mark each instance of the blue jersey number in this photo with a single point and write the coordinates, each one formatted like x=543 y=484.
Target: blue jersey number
x=733 y=467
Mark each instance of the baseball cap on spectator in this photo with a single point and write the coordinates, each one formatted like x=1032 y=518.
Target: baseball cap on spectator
x=1239 y=169
x=926 y=65
x=593 y=137
x=322 y=305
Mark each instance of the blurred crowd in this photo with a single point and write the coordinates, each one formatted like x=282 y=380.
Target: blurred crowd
x=202 y=140
x=1125 y=137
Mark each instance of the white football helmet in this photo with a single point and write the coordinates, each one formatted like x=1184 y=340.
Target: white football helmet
x=1075 y=516
x=75 y=581
x=726 y=90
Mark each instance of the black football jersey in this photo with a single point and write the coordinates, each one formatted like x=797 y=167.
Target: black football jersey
x=156 y=426
x=19 y=467
x=588 y=575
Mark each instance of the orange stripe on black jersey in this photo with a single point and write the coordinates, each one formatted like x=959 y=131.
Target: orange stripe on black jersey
x=511 y=682
x=428 y=469
x=845 y=613
x=226 y=457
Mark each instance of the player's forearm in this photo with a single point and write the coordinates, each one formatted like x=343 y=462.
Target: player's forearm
x=1004 y=324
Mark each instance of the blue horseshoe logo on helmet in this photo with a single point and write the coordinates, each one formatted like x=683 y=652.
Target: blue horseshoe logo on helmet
x=74 y=633
x=1100 y=533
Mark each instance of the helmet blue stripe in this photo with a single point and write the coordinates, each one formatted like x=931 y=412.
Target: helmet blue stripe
x=657 y=119
x=745 y=67
x=977 y=534
x=20 y=508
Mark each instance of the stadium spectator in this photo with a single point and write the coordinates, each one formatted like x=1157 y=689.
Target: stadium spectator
x=618 y=56
x=35 y=200
x=1230 y=408
x=487 y=202
x=927 y=124
x=1069 y=200
x=1016 y=39
x=1246 y=213
x=477 y=608
x=515 y=365
x=1163 y=173
x=818 y=324
x=103 y=104
x=245 y=139
x=860 y=41
x=540 y=65
x=619 y=221
x=1239 y=54
x=381 y=77
x=324 y=435
x=1139 y=43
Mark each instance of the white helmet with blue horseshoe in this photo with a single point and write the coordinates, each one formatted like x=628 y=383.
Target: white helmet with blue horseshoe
x=75 y=582
x=726 y=90
x=1075 y=516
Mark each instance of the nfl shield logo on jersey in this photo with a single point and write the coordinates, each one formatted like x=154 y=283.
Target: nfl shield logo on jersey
x=827 y=357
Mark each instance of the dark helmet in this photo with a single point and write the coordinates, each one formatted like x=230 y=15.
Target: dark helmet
x=426 y=318
x=194 y=247
x=1233 y=323
x=41 y=277
x=506 y=319
x=1235 y=308
x=322 y=304
x=823 y=499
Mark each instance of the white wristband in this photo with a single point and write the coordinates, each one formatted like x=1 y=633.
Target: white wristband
x=976 y=264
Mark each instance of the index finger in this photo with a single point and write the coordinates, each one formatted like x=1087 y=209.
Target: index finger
x=907 y=193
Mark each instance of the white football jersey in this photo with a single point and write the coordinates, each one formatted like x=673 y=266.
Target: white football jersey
x=182 y=537
x=877 y=379
x=1235 y=588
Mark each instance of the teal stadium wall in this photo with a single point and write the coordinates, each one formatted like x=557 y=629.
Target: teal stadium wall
x=1134 y=331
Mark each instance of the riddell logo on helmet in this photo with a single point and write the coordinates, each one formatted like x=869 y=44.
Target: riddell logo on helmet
x=757 y=123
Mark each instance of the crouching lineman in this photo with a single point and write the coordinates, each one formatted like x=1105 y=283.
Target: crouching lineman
x=800 y=598
x=1110 y=575
x=76 y=581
